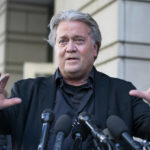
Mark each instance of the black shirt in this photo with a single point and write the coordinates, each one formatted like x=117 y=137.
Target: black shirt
x=72 y=100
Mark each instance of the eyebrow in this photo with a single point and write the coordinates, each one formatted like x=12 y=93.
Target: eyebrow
x=75 y=36
x=63 y=36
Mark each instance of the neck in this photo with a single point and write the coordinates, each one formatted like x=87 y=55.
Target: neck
x=76 y=79
x=75 y=82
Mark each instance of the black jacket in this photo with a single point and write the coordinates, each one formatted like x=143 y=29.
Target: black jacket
x=111 y=97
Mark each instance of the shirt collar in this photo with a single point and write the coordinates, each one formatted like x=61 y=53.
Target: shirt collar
x=59 y=78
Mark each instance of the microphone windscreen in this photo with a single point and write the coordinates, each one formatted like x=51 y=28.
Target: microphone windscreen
x=116 y=126
x=80 y=128
x=63 y=124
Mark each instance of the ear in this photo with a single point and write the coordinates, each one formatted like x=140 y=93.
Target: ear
x=96 y=49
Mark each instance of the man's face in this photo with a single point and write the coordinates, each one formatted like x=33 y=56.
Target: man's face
x=75 y=49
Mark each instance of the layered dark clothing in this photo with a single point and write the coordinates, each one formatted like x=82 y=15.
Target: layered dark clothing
x=111 y=97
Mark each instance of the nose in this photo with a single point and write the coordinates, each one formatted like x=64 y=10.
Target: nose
x=71 y=47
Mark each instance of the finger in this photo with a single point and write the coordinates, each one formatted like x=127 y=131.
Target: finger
x=137 y=93
x=9 y=102
x=3 y=82
x=140 y=94
x=148 y=91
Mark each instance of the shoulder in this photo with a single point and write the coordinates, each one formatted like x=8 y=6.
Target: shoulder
x=114 y=82
x=33 y=81
x=27 y=86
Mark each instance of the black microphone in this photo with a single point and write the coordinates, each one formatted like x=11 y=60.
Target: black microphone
x=46 y=117
x=119 y=130
x=79 y=134
x=114 y=144
x=95 y=131
x=62 y=129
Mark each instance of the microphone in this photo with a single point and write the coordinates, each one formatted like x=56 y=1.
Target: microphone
x=145 y=144
x=108 y=134
x=79 y=134
x=62 y=129
x=46 y=117
x=119 y=130
x=95 y=131
x=115 y=145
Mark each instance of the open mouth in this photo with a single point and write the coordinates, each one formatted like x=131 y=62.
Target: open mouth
x=72 y=59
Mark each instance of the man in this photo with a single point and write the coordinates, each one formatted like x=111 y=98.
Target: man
x=75 y=87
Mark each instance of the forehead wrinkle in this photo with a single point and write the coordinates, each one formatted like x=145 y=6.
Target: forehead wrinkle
x=73 y=36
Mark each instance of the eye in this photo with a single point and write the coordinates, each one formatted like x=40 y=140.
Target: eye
x=79 y=40
x=62 y=42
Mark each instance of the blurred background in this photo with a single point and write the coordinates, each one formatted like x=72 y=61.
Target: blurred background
x=124 y=24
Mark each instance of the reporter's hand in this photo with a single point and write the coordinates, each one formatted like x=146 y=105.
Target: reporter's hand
x=141 y=94
x=4 y=102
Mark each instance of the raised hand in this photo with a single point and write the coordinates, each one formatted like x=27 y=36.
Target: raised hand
x=141 y=94
x=4 y=102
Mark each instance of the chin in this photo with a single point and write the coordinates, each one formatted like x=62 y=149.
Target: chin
x=72 y=69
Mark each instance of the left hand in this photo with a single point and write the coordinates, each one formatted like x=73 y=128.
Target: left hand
x=141 y=94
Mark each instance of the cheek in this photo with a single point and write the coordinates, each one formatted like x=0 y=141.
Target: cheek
x=88 y=57
x=59 y=53
x=58 y=57
x=88 y=52
x=61 y=59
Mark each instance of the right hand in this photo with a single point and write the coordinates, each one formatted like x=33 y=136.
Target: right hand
x=4 y=102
